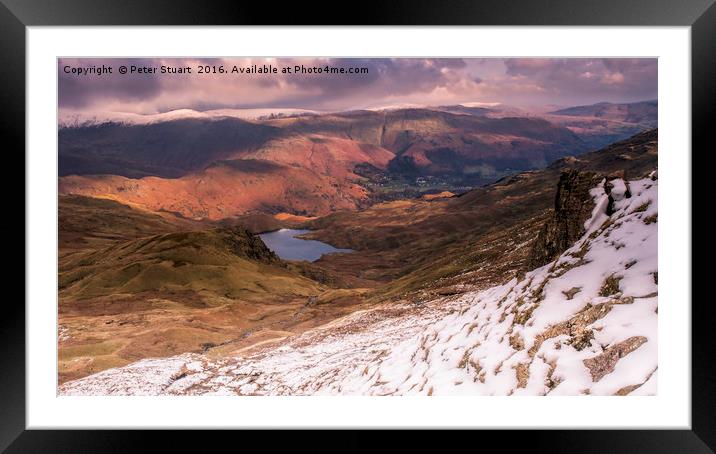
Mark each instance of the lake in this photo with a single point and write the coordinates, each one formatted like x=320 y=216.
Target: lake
x=285 y=244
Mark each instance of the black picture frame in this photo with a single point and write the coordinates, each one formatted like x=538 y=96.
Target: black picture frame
x=16 y=15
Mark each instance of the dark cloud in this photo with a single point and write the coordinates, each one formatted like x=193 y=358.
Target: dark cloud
x=388 y=81
x=601 y=79
x=78 y=91
x=386 y=77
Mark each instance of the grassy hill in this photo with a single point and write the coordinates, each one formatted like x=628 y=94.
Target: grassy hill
x=127 y=292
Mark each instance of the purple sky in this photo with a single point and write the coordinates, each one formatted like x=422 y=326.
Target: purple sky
x=389 y=82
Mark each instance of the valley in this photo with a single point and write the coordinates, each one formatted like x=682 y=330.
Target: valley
x=165 y=257
x=537 y=328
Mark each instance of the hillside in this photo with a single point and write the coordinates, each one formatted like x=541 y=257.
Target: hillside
x=596 y=125
x=166 y=149
x=583 y=323
x=431 y=138
x=176 y=292
x=428 y=245
x=220 y=167
x=87 y=223
x=226 y=189
x=176 y=260
x=427 y=141
x=603 y=123
x=644 y=112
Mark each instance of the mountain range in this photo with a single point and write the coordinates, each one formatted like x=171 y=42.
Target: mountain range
x=218 y=167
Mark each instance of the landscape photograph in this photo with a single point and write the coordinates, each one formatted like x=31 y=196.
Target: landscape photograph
x=357 y=226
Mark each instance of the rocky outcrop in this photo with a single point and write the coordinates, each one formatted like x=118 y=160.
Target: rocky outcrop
x=573 y=205
x=616 y=188
x=604 y=363
x=243 y=243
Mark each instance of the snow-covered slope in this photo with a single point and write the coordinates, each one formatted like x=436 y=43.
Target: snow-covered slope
x=583 y=324
x=70 y=118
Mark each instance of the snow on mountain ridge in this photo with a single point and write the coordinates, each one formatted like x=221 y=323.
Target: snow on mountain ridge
x=75 y=119
x=585 y=323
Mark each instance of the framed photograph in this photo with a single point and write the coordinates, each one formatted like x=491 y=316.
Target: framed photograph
x=454 y=217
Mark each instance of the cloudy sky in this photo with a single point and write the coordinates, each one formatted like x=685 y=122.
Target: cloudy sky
x=389 y=82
